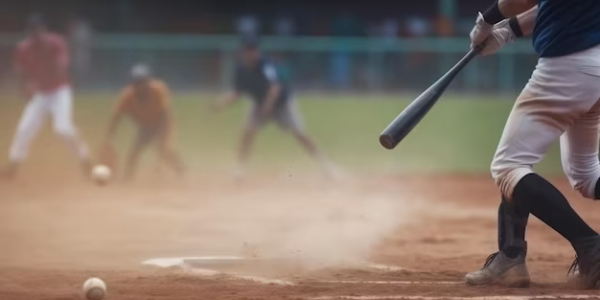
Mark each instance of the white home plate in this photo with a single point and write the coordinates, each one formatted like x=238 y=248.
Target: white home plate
x=215 y=265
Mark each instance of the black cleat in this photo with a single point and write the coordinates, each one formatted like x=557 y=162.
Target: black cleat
x=585 y=270
x=501 y=270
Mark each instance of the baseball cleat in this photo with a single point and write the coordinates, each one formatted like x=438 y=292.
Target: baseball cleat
x=585 y=271
x=501 y=270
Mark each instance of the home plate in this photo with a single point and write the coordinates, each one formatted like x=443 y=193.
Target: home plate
x=231 y=266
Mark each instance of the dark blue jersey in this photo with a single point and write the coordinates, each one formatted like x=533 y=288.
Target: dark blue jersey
x=256 y=81
x=566 y=26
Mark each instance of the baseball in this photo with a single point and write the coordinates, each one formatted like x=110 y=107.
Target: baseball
x=94 y=289
x=101 y=174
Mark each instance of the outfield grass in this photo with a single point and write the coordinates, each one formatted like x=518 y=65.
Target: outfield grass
x=459 y=135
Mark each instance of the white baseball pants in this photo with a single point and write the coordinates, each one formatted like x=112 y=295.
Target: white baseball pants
x=59 y=105
x=561 y=100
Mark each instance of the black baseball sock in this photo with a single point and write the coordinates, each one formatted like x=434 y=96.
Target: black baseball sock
x=597 y=190
x=545 y=202
x=512 y=224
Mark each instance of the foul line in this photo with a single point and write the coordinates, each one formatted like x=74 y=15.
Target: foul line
x=404 y=297
x=395 y=282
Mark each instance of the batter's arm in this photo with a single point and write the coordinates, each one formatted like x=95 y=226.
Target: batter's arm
x=513 y=8
x=526 y=21
x=498 y=12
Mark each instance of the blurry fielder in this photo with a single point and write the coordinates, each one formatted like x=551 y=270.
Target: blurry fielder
x=147 y=101
x=42 y=62
x=272 y=101
x=560 y=101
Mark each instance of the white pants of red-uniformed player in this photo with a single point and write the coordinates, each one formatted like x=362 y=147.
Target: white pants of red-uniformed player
x=59 y=105
x=561 y=100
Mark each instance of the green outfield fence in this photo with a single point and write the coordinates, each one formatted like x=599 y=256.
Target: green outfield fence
x=313 y=63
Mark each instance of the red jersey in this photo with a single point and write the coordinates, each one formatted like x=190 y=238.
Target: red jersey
x=44 y=64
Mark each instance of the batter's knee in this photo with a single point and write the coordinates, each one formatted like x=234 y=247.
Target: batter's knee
x=507 y=175
x=585 y=182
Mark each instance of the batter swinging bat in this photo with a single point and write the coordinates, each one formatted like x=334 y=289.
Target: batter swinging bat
x=412 y=115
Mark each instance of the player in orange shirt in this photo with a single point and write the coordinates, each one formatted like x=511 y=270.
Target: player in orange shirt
x=147 y=102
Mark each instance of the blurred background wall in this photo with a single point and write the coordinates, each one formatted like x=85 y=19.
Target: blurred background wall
x=386 y=46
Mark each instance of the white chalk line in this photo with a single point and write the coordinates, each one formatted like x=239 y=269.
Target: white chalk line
x=180 y=262
x=183 y=263
x=385 y=267
x=257 y=279
x=405 y=297
x=392 y=282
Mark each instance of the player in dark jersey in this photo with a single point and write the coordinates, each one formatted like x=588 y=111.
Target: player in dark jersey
x=271 y=95
x=560 y=101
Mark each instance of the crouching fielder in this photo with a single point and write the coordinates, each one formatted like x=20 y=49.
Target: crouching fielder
x=42 y=62
x=272 y=100
x=560 y=101
x=146 y=101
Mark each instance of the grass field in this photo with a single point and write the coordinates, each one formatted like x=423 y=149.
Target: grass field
x=458 y=136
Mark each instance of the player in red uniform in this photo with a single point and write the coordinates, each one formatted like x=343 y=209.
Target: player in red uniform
x=42 y=62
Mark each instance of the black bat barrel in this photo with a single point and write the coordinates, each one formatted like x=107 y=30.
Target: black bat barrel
x=412 y=115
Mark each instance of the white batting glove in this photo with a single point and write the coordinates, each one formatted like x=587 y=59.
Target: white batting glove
x=501 y=35
x=481 y=31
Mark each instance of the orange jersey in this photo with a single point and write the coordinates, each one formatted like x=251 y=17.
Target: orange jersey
x=148 y=108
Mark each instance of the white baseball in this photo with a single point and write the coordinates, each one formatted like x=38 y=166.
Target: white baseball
x=94 y=289
x=101 y=174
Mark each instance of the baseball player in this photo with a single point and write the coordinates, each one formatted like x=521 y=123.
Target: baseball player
x=147 y=102
x=42 y=63
x=272 y=101
x=560 y=101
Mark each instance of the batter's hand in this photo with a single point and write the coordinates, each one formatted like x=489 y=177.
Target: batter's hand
x=501 y=35
x=480 y=32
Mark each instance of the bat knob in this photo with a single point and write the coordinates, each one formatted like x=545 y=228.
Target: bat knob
x=386 y=141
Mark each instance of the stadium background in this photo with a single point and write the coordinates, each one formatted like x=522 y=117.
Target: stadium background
x=427 y=208
x=353 y=69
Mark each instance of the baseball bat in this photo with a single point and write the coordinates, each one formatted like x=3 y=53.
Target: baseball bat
x=412 y=115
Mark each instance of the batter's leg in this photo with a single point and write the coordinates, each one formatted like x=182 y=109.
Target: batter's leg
x=557 y=95
x=32 y=119
x=61 y=107
x=579 y=153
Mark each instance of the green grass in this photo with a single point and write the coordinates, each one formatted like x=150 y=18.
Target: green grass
x=458 y=135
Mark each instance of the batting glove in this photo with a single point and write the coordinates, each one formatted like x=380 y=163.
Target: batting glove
x=481 y=31
x=501 y=35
